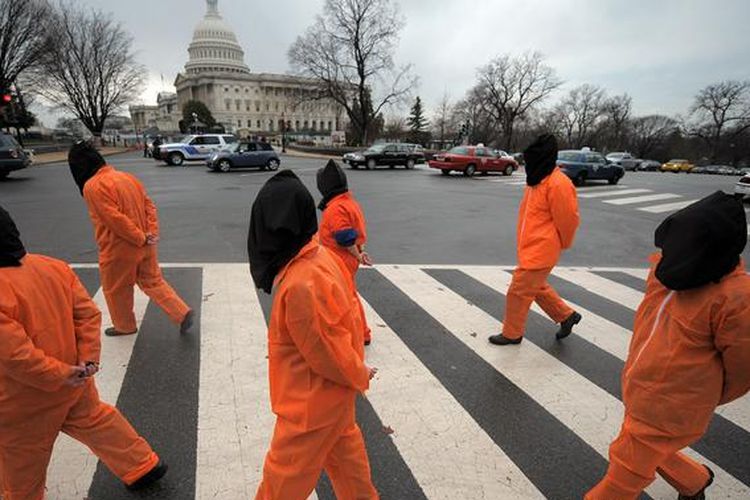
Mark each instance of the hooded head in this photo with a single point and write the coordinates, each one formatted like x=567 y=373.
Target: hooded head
x=11 y=248
x=84 y=161
x=331 y=182
x=701 y=243
x=540 y=158
x=282 y=221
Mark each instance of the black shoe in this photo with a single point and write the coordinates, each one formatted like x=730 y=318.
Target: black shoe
x=368 y=342
x=566 y=327
x=701 y=495
x=500 y=340
x=150 y=477
x=187 y=322
x=111 y=332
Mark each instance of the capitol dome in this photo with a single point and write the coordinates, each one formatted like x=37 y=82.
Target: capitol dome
x=215 y=47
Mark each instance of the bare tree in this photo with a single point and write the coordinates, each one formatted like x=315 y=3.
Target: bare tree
x=511 y=87
x=442 y=121
x=617 y=110
x=90 y=70
x=349 y=51
x=23 y=37
x=649 y=133
x=395 y=128
x=578 y=114
x=472 y=111
x=720 y=109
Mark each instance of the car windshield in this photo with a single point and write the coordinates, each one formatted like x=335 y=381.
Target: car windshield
x=616 y=155
x=185 y=139
x=568 y=156
x=377 y=148
x=460 y=150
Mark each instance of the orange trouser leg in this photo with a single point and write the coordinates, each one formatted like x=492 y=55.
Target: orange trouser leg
x=638 y=453
x=151 y=281
x=527 y=286
x=110 y=436
x=25 y=451
x=295 y=461
x=118 y=277
x=348 y=467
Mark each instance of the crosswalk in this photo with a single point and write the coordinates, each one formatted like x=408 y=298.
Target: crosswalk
x=448 y=416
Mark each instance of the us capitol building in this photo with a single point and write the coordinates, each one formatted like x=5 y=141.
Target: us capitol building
x=245 y=103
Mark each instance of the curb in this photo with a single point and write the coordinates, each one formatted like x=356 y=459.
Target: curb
x=43 y=162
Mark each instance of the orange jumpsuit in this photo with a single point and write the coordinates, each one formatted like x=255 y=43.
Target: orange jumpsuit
x=547 y=223
x=689 y=353
x=316 y=369
x=48 y=323
x=341 y=214
x=123 y=214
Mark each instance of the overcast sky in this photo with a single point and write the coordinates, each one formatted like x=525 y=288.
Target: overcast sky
x=659 y=51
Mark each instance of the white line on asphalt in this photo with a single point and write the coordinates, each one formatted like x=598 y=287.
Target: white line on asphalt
x=429 y=418
x=72 y=467
x=614 y=193
x=667 y=207
x=642 y=199
x=600 y=187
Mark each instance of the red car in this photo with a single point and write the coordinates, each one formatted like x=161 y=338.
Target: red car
x=473 y=159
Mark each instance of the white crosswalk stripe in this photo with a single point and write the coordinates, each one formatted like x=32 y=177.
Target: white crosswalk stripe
x=620 y=192
x=642 y=199
x=667 y=207
x=449 y=454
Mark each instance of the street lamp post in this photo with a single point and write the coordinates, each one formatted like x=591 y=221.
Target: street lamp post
x=283 y=133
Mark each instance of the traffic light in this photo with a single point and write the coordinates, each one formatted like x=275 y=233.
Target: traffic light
x=6 y=98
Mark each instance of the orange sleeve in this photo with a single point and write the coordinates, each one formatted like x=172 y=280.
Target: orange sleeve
x=732 y=338
x=88 y=322
x=21 y=359
x=563 y=205
x=152 y=216
x=324 y=343
x=103 y=204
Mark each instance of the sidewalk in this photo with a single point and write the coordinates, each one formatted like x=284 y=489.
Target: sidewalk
x=62 y=156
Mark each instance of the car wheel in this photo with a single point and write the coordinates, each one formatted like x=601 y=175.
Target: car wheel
x=484 y=173
x=445 y=172
x=614 y=180
x=371 y=164
x=580 y=180
x=176 y=159
x=391 y=166
x=225 y=166
x=470 y=170
x=508 y=171
x=410 y=164
x=273 y=164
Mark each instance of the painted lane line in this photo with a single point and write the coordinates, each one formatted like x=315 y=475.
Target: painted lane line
x=642 y=199
x=614 y=193
x=667 y=207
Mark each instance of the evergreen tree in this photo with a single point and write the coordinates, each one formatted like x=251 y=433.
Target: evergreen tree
x=200 y=109
x=418 y=124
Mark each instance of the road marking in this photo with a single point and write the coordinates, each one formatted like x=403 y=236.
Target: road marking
x=668 y=207
x=614 y=193
x=600 y=187
x=72 y=467
x=642 y=199
x=429 y=422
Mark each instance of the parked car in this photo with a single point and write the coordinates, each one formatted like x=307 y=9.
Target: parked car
x=195 y=148
x=700 y=170
x=473 y=159
x=583 y=165
x=12 y=155
x=742 y=188
x=625 y=160
x=721 y=170
x=677 y=166
x=389 y=155
x=245 y=155
x=648 y=166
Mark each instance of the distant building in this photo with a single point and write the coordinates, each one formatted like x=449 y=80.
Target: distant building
x=244 y=102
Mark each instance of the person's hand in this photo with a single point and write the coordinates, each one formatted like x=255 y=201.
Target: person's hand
x=76 y=376
x=373 y=371
x=364 y=259
x=152 y=239
x=91 y=368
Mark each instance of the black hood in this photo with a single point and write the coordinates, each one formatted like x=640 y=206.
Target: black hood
x=282 y=221
x=331 y=182
x=84 y=161
x=701 y=243
x=540 y=158
x=11 y=248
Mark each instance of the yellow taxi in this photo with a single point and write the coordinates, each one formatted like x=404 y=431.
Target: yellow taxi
x=677 y=166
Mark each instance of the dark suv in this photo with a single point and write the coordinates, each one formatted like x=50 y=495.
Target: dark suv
x=583 y=165
x=389 y=155
x=12 y=155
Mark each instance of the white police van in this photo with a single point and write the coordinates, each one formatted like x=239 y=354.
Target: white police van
x=196 y=148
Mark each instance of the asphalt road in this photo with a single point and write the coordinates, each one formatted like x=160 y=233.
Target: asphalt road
x=414 y=217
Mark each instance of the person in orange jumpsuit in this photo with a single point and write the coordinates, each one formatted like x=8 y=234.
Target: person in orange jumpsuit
x=315 y=350
x=49 y=353
x=343 y=227
x=689 y=353
x=126 y=228
x=547 y=223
